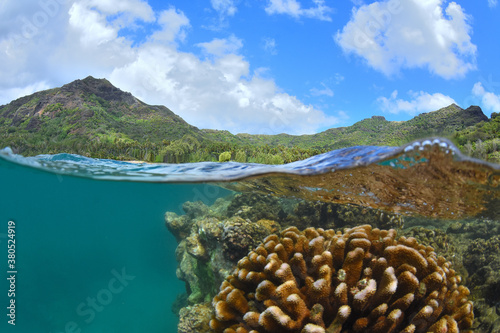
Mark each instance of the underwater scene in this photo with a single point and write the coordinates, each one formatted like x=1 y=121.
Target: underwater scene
x=361 y=239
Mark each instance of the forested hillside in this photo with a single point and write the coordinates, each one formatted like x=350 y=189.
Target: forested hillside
x=93 y=118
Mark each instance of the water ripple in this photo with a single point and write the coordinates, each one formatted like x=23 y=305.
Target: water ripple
x=426 y=177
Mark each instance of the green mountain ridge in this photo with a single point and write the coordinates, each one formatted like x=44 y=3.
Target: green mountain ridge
x=93 y=118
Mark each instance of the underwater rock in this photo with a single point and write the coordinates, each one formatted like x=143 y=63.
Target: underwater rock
x=481 y=228
x=210 y=251
x=483 y=261
x=362 y=280
x=255 y=207
x=194 y=319
x=455 y=227
x=197 y=264
x=195 y=209
x=316 y=213
x=239 y=236
x=487 y=317
x=179 y=226
x=329 y=215
x=286 y=212
x=484 y=253
x=179 y=303
x=187 y=271
x=204 y=237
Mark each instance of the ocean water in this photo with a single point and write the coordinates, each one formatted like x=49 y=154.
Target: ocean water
x=91 y=256
x=92 y=253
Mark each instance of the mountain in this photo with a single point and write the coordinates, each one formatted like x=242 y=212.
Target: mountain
x=94 y=109
x=378 y=131
x=92 y=117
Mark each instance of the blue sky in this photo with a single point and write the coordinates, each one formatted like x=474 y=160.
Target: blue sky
x=261 y=66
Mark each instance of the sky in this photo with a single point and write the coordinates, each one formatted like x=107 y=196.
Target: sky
x=261 y=66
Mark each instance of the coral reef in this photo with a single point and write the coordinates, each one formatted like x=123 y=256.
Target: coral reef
x=327 y=215
x=209 y=248
x=473 y=247
x=194 y=319
x=255 y=207
x=483 y=261
x=213 y=238
x=240 y=235
x=442 y=242
x=362 y=280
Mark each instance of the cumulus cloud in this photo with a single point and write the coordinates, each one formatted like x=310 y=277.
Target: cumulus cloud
x=395 y=34
x=128 y=10
x=490 y=101
x=174 y=24
x=218 y=93
x=293 y=8
x=221 y=46
x=419 y=102
x=14 y=93
x=224 y=7
x=85 y=37
x=59 y=41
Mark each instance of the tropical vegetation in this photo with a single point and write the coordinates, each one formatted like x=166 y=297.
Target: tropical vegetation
x=93 y=118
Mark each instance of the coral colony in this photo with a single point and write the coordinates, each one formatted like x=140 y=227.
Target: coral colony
x=322 y=281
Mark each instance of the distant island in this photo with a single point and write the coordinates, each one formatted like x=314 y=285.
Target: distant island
x=93 y=118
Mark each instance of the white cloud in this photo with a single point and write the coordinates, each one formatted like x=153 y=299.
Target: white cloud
x=85 y=38
x=173 y=23
x=91 y=25
x=15 y=92
x=224 y=7
x=133 y=9
x=219 y=94
x=492 y=3
x=420 y=102
x=219 y=47
x=112 y=15
x=294 y=8
x=395 y=34
x=490 y=101
x=325 y=91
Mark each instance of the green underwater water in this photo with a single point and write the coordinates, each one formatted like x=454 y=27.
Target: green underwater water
x=91 y=256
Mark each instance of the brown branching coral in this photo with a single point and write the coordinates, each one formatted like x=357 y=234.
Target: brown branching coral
x=322 y=281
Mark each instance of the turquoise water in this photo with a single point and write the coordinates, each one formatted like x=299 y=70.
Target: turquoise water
x=74 y=236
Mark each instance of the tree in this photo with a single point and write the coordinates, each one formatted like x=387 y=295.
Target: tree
x=480 y=150
x=276 y=159
x=225 y=156
x=468 y=148
x=241 y=156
